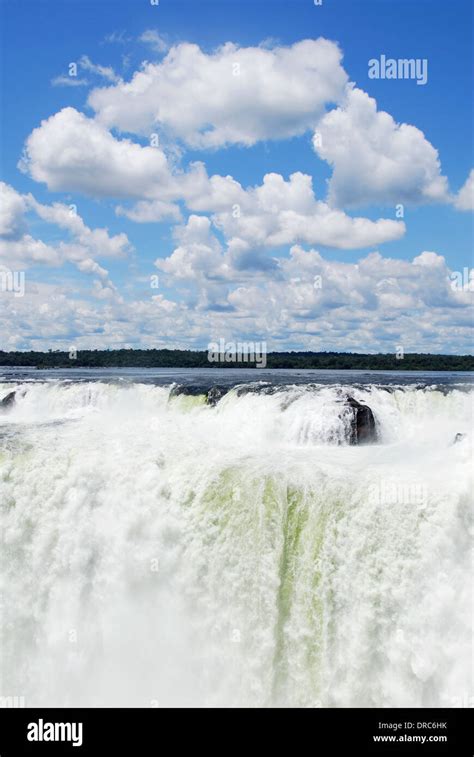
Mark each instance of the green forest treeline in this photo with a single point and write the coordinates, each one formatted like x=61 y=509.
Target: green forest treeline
x=199 y=359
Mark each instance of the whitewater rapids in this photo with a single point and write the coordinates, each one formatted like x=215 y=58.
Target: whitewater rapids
x=157 y=551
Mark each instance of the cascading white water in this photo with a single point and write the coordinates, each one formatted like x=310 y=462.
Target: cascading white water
x=159 y=551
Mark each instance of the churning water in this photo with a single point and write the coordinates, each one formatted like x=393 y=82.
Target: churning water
x=159 y=551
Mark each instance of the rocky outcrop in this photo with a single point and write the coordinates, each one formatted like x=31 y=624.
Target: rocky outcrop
x=215 y=394
x=189 y=390
x=458 y=438
x=8 y=401
x=212 y=394
x=363 y=428
x=260 y=387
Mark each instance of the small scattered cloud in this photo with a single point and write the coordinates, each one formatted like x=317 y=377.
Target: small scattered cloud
x=81 y=244
x=69 y=81
x=155 y=40
x=117 y=38
x=106 y=72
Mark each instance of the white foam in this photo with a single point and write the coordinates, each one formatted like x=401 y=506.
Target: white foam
x=160 y=551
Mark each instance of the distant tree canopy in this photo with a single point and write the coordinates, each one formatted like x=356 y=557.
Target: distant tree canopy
x=199 y=359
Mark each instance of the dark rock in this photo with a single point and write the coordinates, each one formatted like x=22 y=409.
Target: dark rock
x=459 y=437
x=363 y=427
x=215 y=394
x=261 y=387
x=212 y=394
x=189 y=390
x=7 y=401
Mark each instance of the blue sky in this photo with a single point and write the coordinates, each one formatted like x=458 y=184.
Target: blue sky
x=193 y=272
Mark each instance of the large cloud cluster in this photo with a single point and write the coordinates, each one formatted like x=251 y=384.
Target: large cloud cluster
x=239 y=265
x=308 y=301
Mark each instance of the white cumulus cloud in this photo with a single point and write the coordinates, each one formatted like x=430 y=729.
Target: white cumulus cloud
x=234 y=95
x=375 y=159
x=464 y=200
x=71 y=152
x=81 y=246
x=280 y=212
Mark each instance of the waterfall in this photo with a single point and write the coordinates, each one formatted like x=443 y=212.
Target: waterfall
x=159 y=551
